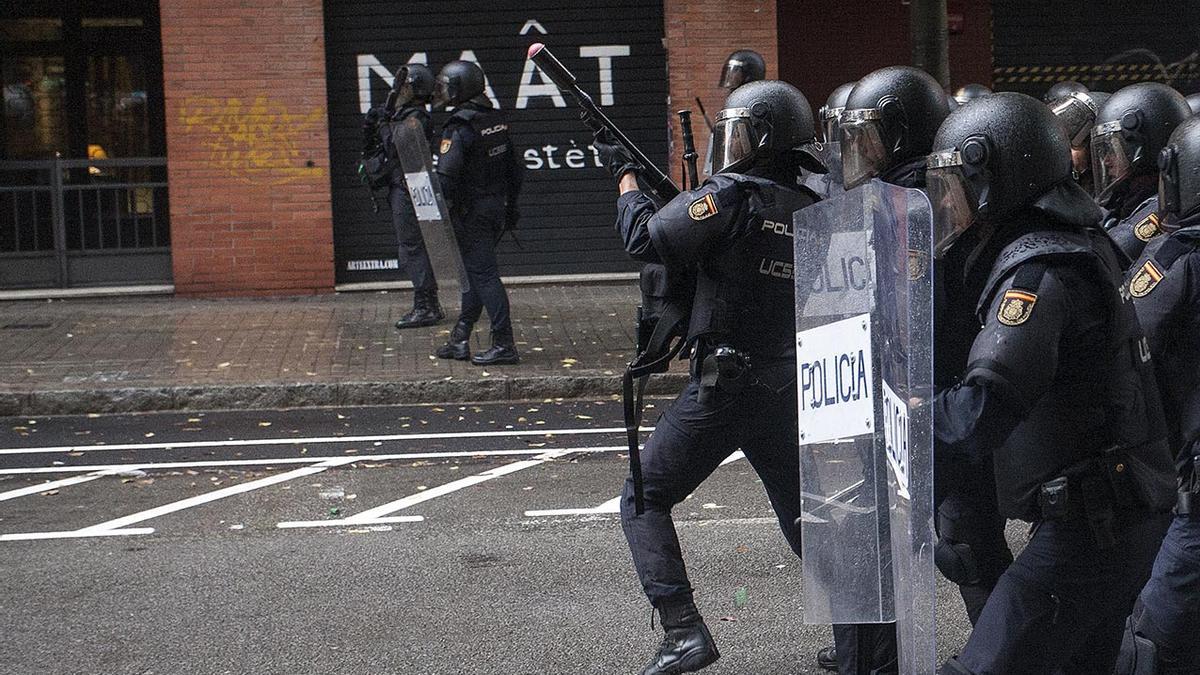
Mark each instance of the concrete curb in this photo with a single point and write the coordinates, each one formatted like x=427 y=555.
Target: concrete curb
x=313 y=395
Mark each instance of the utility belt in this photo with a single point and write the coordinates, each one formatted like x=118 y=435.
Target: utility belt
x=722 y=368
x=1095 y=489
x=1187 y=501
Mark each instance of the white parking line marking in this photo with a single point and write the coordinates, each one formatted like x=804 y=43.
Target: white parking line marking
x=118 y=525
x=611 y=506
x=377 y=515
x=221 y=463
x=341 y=522
x=52 y=485
x=74 y=534
x=315 y=440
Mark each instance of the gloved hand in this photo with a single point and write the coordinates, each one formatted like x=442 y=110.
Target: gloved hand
x=614 y=155
x=370 y=127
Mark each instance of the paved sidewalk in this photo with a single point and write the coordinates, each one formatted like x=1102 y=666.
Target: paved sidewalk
x=139 y=354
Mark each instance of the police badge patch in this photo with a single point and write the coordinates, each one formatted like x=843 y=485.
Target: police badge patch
x=1147 y=229
x=1147 y=277
x=445 y=146
x=1016 y=307
x=703 y=208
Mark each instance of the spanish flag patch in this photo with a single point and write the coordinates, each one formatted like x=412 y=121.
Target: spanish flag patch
x=702 y=208
x=445 y=146
x=1016 y=307
x=1147 y=277
x=1147 y=229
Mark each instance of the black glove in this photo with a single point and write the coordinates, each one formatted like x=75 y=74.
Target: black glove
x=614 y=154
x=370 y=128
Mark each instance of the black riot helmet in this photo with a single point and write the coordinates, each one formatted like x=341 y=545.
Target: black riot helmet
x=1179 y=173
x=1131 y=129
x=891 y=116
x=970 y=92
x=1194 y=103
x=742 y=66
x=1062 y=89
x=832 y=111
x=999 y=154
x=765 y=123
x=457 y=83
x=1076 y=112
x=413 y=84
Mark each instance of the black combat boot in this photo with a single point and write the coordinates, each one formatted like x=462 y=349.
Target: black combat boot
x=687 y=646
x=502 y=353
x=458 y=346
x=827 y=658
x=426 y=311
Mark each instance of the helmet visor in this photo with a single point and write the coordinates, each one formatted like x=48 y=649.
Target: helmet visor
x=733 y=75
x=441 y=93
x=864 y=153
x=955 y=203
x=734 y=141
x=831 y=124
x=1110 y=158
x=1076 y=113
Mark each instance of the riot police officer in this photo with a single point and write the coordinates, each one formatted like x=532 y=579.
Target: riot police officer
x=1076 y=112
x=480 y=177
x=969 y=92
x=1163 y=636
x=414 y=88
x=1131 y=128
x=1058 y=394
x=888 y=127
x=735 y=230
x=830 y=113
x=742 y=67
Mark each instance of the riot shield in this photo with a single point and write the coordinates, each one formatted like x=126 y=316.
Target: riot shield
x=864 y=374
x=424 y=189
x=828 y=184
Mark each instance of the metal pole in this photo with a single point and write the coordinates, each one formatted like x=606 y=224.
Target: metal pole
x=58 y=207
x=928 y=32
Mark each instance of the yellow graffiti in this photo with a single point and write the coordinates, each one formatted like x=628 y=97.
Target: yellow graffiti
x=256 y=142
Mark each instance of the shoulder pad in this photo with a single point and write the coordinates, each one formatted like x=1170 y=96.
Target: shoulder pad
x=686 y=225
x=1029 y=247
x=1177 y=245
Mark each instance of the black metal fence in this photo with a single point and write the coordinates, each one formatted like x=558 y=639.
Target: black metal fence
x=76 y=222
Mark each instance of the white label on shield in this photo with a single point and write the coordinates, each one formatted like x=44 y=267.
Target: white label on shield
x=895 y=435
x=424 y=200
x=834 y=380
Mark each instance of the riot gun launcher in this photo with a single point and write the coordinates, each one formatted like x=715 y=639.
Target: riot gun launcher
x=657 y=182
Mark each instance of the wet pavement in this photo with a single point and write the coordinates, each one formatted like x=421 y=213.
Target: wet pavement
x=142 y=354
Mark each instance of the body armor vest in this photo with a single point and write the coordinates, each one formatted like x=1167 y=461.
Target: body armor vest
x=745 y=294
x=1102 y=403
x=486 y=163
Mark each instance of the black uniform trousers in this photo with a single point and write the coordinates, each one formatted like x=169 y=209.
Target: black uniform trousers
x=1168 y=609
x=414 y=259
x=476 y=233
x=1060 y=608
x=689 y=442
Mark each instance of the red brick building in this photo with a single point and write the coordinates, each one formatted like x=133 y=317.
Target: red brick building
x=210 y=147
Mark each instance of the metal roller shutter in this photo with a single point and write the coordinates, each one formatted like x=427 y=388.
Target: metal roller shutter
x=1104 y=44
x=615 y=47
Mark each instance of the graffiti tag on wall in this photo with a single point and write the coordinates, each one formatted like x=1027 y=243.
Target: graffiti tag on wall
x=254 y=141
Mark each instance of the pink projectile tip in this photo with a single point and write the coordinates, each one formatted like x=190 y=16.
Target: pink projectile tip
x=535 y=48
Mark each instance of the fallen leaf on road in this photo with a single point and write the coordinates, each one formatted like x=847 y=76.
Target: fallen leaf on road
x=223 y=365
x=729 y=618
x=584 y=417
x=49 y=493
x=149 y=434
x=741 y=598
x=264 y=424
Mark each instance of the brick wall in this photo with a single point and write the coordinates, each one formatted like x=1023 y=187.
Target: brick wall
x=247 y=146
x=700 y=36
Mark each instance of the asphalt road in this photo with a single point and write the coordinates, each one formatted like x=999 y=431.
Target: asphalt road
x=422 y=539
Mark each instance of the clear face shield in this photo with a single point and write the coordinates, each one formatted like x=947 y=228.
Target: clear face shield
x=1111 y=158
x=831 y=123
x=733 y=75
x=403 y=89
x=864 y=153
x=734 y=140
x=442 y=93
x=955 y=201
x=1076 y=113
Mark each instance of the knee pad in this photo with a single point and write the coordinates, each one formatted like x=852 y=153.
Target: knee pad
x=1138 y=655
x=956 y=561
